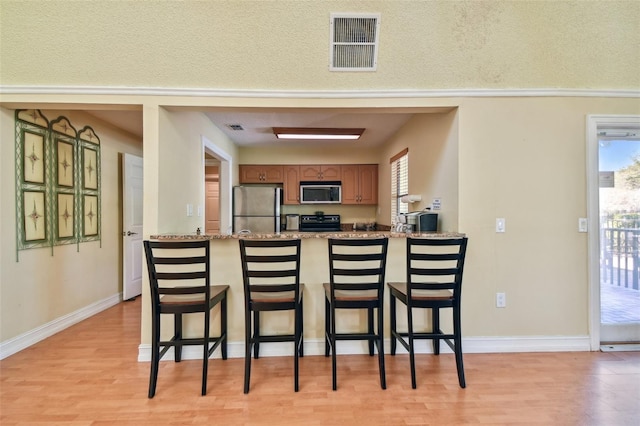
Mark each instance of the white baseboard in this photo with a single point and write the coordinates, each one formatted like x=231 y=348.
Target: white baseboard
x=18 y=343
x=469 y=345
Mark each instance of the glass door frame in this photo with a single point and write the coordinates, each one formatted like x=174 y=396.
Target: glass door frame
x=593 y=213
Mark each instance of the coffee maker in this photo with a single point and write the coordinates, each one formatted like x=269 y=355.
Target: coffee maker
x=423 y=221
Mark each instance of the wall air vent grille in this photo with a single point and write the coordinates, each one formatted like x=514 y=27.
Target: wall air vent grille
x=235 y=126
x=354 y=42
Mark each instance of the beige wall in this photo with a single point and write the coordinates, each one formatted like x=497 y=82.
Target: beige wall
x=283 y=45
x=432 y=140
x=41 y=288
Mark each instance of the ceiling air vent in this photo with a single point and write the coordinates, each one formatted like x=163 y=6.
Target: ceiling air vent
x=354 y=41
x=235 y=126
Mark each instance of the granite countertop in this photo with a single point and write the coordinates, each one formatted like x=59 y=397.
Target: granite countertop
x=308 y=235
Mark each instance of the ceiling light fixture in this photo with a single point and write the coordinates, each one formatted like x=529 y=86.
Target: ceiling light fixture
x=317 y=133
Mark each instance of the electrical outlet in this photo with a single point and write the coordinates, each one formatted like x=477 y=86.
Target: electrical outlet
x=501 y=224
x=501 y=300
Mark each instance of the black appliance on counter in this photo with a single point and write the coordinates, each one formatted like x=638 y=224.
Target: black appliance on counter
x=320 y=222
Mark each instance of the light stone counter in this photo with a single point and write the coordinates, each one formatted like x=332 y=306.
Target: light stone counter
x=308 y=235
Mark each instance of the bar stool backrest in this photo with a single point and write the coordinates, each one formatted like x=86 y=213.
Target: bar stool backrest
x=435 y=264
x=179 y=268
x=358 y=264
x=270 y=266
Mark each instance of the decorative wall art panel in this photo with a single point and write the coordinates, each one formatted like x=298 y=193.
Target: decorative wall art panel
x=34 y=216
x=89 y=168
x=66 y=215
x=65 y=155
x=57 y=182
x=91 y=216
x=33 y=154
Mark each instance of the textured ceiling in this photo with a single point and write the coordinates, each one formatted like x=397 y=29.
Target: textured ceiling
x=257 y=125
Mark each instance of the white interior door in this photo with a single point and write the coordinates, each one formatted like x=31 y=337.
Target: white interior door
x=132 y=252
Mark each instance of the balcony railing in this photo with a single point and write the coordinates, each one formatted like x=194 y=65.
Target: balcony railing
x=619 y=257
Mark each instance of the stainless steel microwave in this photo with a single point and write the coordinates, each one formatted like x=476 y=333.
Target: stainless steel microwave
x=328 y=192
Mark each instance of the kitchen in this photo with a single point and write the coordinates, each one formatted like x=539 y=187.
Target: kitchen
x=435 y=175
x=362 y=167
x=258 y=205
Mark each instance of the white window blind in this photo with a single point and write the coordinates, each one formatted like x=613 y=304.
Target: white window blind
x=399 y=183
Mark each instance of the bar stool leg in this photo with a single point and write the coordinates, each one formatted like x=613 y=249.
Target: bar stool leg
x=177 y=324
x=327 y=326
x=380 y=341
x=392 y=313
x=247 y=350
x=412 y=358
x=155 y=354
x=371 y=332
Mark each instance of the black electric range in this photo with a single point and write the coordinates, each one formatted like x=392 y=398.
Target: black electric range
x=320 y=223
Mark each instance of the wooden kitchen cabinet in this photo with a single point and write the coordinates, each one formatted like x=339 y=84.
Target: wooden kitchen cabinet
x=359 y=184
x=261 y=173
x=291 y=187
x=320 y=173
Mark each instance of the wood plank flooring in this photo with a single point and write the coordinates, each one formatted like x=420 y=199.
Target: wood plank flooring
x=89 y=375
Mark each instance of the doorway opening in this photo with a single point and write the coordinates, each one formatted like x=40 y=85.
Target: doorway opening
x=211 y=195
x=615 y=141
x=217 y=165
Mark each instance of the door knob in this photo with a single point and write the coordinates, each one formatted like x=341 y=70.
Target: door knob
x=129 y=233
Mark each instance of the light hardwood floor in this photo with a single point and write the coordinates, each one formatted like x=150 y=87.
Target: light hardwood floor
x=89 y=375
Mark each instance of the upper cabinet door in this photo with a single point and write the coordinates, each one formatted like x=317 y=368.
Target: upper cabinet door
x=250 y=174
x=359 y=184
x=368 y=174
x=350 y=185
x=273 y=174
x=310 y=172
x=291 y=184
x=332 y=172
x=259 y=173
x=313 y=172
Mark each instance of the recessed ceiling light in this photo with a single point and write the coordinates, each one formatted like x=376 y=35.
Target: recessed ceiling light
x=317 y=133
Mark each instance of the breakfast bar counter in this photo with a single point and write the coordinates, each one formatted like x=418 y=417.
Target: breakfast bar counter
x=226 y=268
x=307 y=235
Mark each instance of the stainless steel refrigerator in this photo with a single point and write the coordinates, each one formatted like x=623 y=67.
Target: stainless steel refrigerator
x=256 y=209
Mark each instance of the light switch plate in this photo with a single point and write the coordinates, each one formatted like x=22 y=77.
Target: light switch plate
x=501 y=224
x=583 y=224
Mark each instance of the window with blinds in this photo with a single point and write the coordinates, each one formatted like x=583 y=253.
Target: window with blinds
x=399 y=183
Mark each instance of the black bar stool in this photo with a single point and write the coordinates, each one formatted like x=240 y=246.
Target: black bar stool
x=179 y=276
x=434 y=281
x=356 y=281
x=271 y=277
